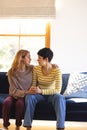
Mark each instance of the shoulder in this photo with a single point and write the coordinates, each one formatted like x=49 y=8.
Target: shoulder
x=31 y=66
x=55 y=66
x=37 y=68
x=29 y=69
x=9 y=73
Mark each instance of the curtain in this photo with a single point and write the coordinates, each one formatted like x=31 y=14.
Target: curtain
x=27 y=8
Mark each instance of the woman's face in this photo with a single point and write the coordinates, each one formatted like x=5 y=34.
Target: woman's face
x=41 y=61
x=27 y=59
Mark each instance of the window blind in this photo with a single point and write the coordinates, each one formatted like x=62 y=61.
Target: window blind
x=28 y=8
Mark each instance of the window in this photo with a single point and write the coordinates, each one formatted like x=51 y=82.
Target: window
x=22 y=34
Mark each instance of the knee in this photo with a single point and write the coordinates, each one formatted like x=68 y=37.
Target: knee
x=30 y=98
x=7 y=102
x=27 y=98
x=20 y=103
x=58 y=97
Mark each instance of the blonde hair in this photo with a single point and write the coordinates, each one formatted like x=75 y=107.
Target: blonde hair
x=18 y=59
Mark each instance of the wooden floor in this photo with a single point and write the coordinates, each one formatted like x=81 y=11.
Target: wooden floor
x=49 y=125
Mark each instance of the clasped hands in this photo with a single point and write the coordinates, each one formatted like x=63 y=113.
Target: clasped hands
x=34 y=90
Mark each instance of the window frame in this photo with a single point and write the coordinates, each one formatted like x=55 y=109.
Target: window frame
x=46 y=35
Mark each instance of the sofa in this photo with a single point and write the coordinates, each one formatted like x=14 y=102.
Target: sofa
x=76 y=110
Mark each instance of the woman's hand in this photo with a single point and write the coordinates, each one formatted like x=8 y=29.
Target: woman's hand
x=34 y=90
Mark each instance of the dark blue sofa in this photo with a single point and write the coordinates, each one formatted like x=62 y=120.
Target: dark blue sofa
x=75 y=110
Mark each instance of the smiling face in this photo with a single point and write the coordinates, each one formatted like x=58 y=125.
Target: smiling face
x=27 y=59
x=42 y=61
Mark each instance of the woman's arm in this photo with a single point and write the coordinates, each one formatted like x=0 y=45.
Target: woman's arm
x=13 y=90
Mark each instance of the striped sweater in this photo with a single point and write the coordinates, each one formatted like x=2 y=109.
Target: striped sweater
x=49 y=84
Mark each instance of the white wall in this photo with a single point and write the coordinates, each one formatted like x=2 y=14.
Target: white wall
x=69 y=36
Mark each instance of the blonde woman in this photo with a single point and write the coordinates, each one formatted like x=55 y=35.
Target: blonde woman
x=20 y=79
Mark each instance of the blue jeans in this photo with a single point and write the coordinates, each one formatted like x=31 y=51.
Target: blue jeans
x=57 y=101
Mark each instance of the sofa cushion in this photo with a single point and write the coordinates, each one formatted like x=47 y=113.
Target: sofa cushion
x=65 y=78
x=4 y=85
x=76 y=109
x=2 y=97
x=42 y=109
x=77 y=86
x=74 y=104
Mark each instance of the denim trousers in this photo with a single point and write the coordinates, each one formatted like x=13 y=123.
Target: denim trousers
x=10 y=104
x=58 y=102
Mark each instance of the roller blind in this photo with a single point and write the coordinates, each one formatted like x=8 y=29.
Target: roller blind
x=27 y=8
